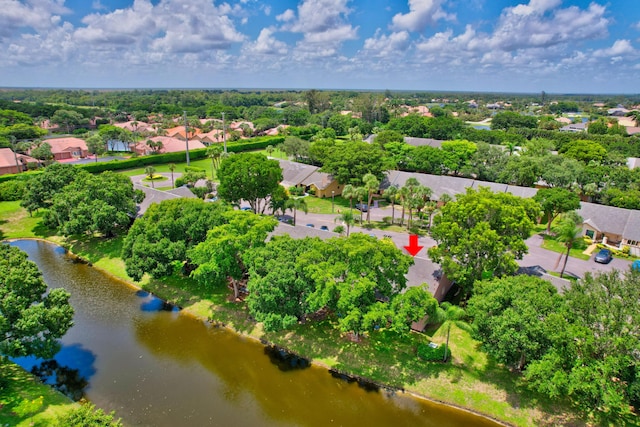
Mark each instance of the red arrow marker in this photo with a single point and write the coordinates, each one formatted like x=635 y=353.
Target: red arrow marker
x=413 y=247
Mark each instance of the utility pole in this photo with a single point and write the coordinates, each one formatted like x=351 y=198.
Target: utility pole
x=186 y=135
x=224 y=134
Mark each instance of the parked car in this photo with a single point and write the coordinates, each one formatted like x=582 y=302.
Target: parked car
x=362 y=207
x=324 y=227
x=310 y=225
x=604 y=256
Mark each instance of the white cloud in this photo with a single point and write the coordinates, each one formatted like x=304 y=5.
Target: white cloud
x=266 y=44
x=97 y=5
x=422 y=13
x=619 y=48
x=35 y=14
x=382 y=45
x=286 y=16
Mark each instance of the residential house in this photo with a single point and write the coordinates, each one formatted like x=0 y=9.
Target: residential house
x=140 y=128
x=321 y=184
x=68 y=148
x=574 y=127
x=8 y=161
x=179 y=132
x=169 y=145
x=616 y=227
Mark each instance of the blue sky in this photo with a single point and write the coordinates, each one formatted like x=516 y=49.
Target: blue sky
x=559 y=46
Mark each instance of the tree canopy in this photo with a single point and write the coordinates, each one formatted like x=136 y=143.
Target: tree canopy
x=482 y=233
x=159 y=240
x=248 y=176
x=30 y=320
x=555 y=201
x=348 y=162
x=104 y=203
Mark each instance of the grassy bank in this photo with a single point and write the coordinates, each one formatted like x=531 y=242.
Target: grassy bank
x=25 y=401
x=471 y=380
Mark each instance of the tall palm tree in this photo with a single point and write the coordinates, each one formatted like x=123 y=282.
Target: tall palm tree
x=150 y=170
x=172 y=167
x=412 y=184
x=214 y=152
x=360 y=194
x=372 y=185
x=391 y=193
x=403 y=196
x=568 y=232
x=347 y=218
x=348 y=192
x=421 y=197
x=295 y=205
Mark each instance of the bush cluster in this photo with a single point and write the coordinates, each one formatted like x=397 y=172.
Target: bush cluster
x=430 y=354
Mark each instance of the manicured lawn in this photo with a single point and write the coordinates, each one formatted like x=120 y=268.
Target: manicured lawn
x=551 y=244
x=17 y=387
x=180 y=168
x=16 y=222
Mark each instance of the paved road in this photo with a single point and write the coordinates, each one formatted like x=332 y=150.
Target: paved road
x=423 y=270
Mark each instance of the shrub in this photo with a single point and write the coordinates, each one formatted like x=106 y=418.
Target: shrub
x=431 y=354
x=199 y=191
x=339 y=229
x=193 y=169
x=296 y=191
x=180 y=182
x=88 y=415
x=12 y=190
x=386 y=220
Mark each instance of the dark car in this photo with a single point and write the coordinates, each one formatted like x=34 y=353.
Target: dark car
x=604 y=256
x=310 y=225
x=362 y=207
x=324 y=227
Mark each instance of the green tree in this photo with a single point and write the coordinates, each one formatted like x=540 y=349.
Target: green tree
x=555 y=201
x=347 y=219
x=149 y=171
x=248 y=176
x=68 y=119
x=568 y=232
x=511 y=317
x=279 y=285
x=386 y=136
x=30 y=320
x=104 y=204
x=295 y=147
x=595 y=341
x=457 y=154
x=214 y=152
x=509 y=119
x=585 y=151
x=157 y=242
x=296 y=204
x=42 y=151
x=482 y=233
x=372 y=185
x=219 y=256
x=348 y=192
x=278 y=200
x=96 y=145
x=43 y=187
x=349 y=162
x=391 y=193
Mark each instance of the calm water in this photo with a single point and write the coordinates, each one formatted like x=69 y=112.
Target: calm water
x=154 y=366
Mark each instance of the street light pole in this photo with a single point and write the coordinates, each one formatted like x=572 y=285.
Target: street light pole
x=333 y=193
x=186 y=135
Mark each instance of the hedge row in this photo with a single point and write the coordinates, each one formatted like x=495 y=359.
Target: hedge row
x=200 y=153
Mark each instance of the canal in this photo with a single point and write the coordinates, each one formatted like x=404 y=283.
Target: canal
x=155 y=366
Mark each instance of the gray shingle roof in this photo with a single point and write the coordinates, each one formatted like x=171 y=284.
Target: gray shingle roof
x=294 y=173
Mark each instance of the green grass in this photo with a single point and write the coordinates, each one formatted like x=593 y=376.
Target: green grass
x=164 y=168
x=471 y=379
x=551 y=244
x=16 y=386
x=15 y=222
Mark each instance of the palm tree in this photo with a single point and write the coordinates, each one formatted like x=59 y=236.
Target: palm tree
x=391 y=193
x=421 y=197
x=360 y=194
x=297 y=204
x=403 y=196
x=372 y=185
x=172 y=167
x=150 y=170
x=347 y=218
x=568 y=232
x=269 y=150
x=214 y=152
x=348 y=192
x=430 y=208
x=448 y=314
